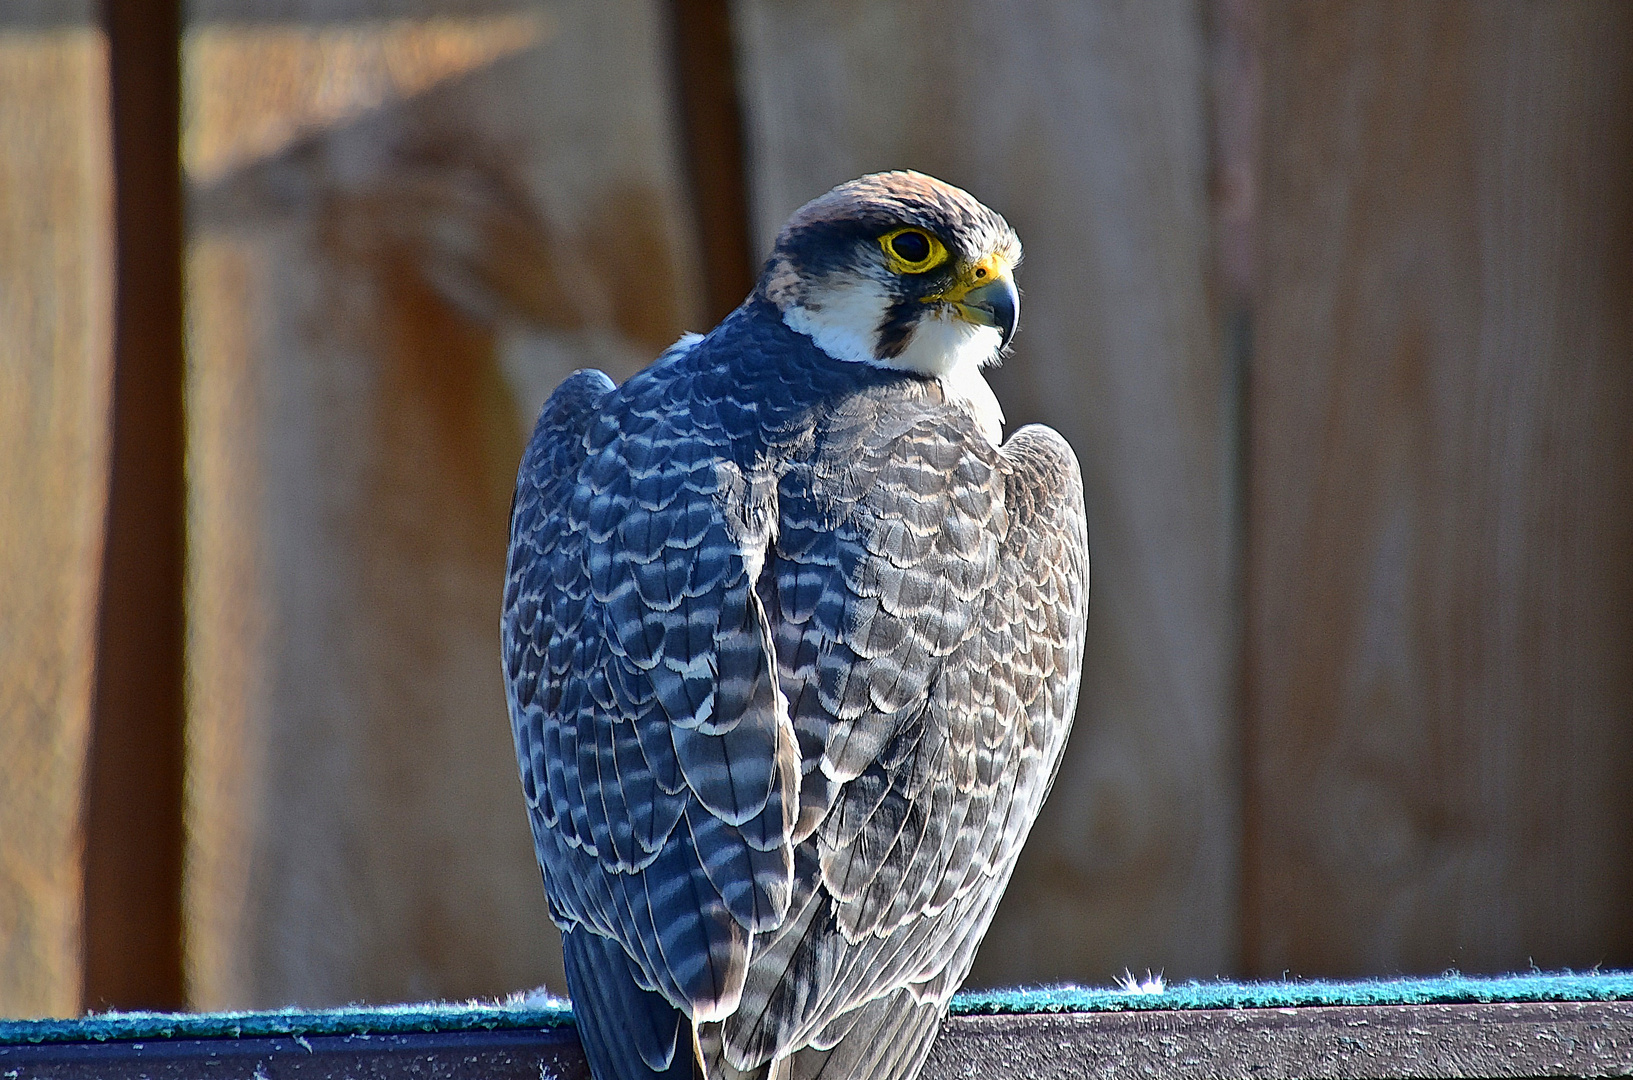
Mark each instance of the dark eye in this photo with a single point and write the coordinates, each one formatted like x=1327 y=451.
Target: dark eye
x=910 y=246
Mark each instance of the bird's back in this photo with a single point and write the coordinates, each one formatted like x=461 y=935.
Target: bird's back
x=813 y=659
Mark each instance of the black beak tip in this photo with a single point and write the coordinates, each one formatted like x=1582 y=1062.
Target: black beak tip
x=1006 y=312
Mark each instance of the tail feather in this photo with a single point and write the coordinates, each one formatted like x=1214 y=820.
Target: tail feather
x=888 y=1039
x=711 y=1055
x=628 y=1033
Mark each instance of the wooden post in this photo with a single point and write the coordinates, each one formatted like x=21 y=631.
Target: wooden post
x=133 y=815
x=704 y=59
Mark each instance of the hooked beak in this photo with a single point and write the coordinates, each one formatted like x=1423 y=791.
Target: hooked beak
x=995 y=302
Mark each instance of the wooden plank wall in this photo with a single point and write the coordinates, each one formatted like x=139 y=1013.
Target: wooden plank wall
x=56 y=284
x=1333 y=300
x=407 y=224
x=1103 y=169
x=1440 y=625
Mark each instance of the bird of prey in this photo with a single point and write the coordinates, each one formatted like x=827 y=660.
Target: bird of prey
x=791 y=642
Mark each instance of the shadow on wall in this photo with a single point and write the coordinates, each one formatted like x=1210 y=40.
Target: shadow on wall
x=379 y=303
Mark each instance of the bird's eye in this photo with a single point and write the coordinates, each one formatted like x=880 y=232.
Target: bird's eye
x=911 y=247
x=912 y=251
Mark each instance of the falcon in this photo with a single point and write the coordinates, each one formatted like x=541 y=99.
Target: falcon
x=791 y=641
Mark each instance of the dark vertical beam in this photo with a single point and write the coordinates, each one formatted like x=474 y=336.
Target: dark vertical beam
x=712 y=128
x=133 y=812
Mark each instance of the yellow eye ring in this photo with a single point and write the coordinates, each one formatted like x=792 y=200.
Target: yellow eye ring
x=902 y=245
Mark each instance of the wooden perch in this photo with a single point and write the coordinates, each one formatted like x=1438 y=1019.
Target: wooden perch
x=1478 y=1039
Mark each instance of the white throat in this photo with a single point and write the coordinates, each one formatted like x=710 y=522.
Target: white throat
x=846 y=327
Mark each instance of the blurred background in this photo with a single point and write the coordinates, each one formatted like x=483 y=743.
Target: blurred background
x=1335 y=301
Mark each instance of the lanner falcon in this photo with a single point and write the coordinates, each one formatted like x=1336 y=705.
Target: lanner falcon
x=792 y=643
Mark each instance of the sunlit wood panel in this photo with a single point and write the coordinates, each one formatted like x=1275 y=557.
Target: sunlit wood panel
x=1086 y=125
x=55 y=362
x=1441 y=588
x=406 y=227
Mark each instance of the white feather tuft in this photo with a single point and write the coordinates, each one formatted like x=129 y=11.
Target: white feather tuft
x=1130 y=983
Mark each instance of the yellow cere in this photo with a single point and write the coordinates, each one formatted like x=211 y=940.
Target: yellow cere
x=988 y=269
x=901 y=245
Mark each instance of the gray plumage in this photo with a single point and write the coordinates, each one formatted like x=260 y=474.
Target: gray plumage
x=792 y=650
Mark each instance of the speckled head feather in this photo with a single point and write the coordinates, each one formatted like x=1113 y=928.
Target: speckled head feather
x=819 y=236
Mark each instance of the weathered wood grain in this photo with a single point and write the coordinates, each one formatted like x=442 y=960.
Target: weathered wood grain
x=408 y=222
x=55 y=363
x=550 y=1054
x=1349 y=1042
x=1441 y=595
x=1086 y=126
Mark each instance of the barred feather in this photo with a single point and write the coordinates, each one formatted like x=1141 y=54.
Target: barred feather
x=792 y=651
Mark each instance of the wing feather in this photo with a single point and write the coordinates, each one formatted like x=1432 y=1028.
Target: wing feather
x=660 y=772
x=927 y=604
x=861 y=663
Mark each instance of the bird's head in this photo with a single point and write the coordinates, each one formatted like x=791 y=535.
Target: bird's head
x=901 y=270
